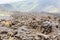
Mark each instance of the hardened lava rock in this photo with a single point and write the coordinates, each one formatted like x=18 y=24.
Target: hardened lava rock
x=47 y=27
x=25 y=33
x=57 y=38
x=30 y=27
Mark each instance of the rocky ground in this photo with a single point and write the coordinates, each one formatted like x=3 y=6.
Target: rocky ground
x=30 y=27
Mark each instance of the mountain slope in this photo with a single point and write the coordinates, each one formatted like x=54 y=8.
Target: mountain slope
x=30 y=5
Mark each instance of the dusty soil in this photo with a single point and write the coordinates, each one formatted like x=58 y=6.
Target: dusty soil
x=30 y=27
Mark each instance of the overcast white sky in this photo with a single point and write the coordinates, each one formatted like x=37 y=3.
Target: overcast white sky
x=8 y=1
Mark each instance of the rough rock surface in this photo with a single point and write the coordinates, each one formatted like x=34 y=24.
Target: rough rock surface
x=30 y=27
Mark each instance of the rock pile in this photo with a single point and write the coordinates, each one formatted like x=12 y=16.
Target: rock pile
x=28 y=27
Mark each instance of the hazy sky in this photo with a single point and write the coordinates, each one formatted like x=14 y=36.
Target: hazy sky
x=8 y=1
